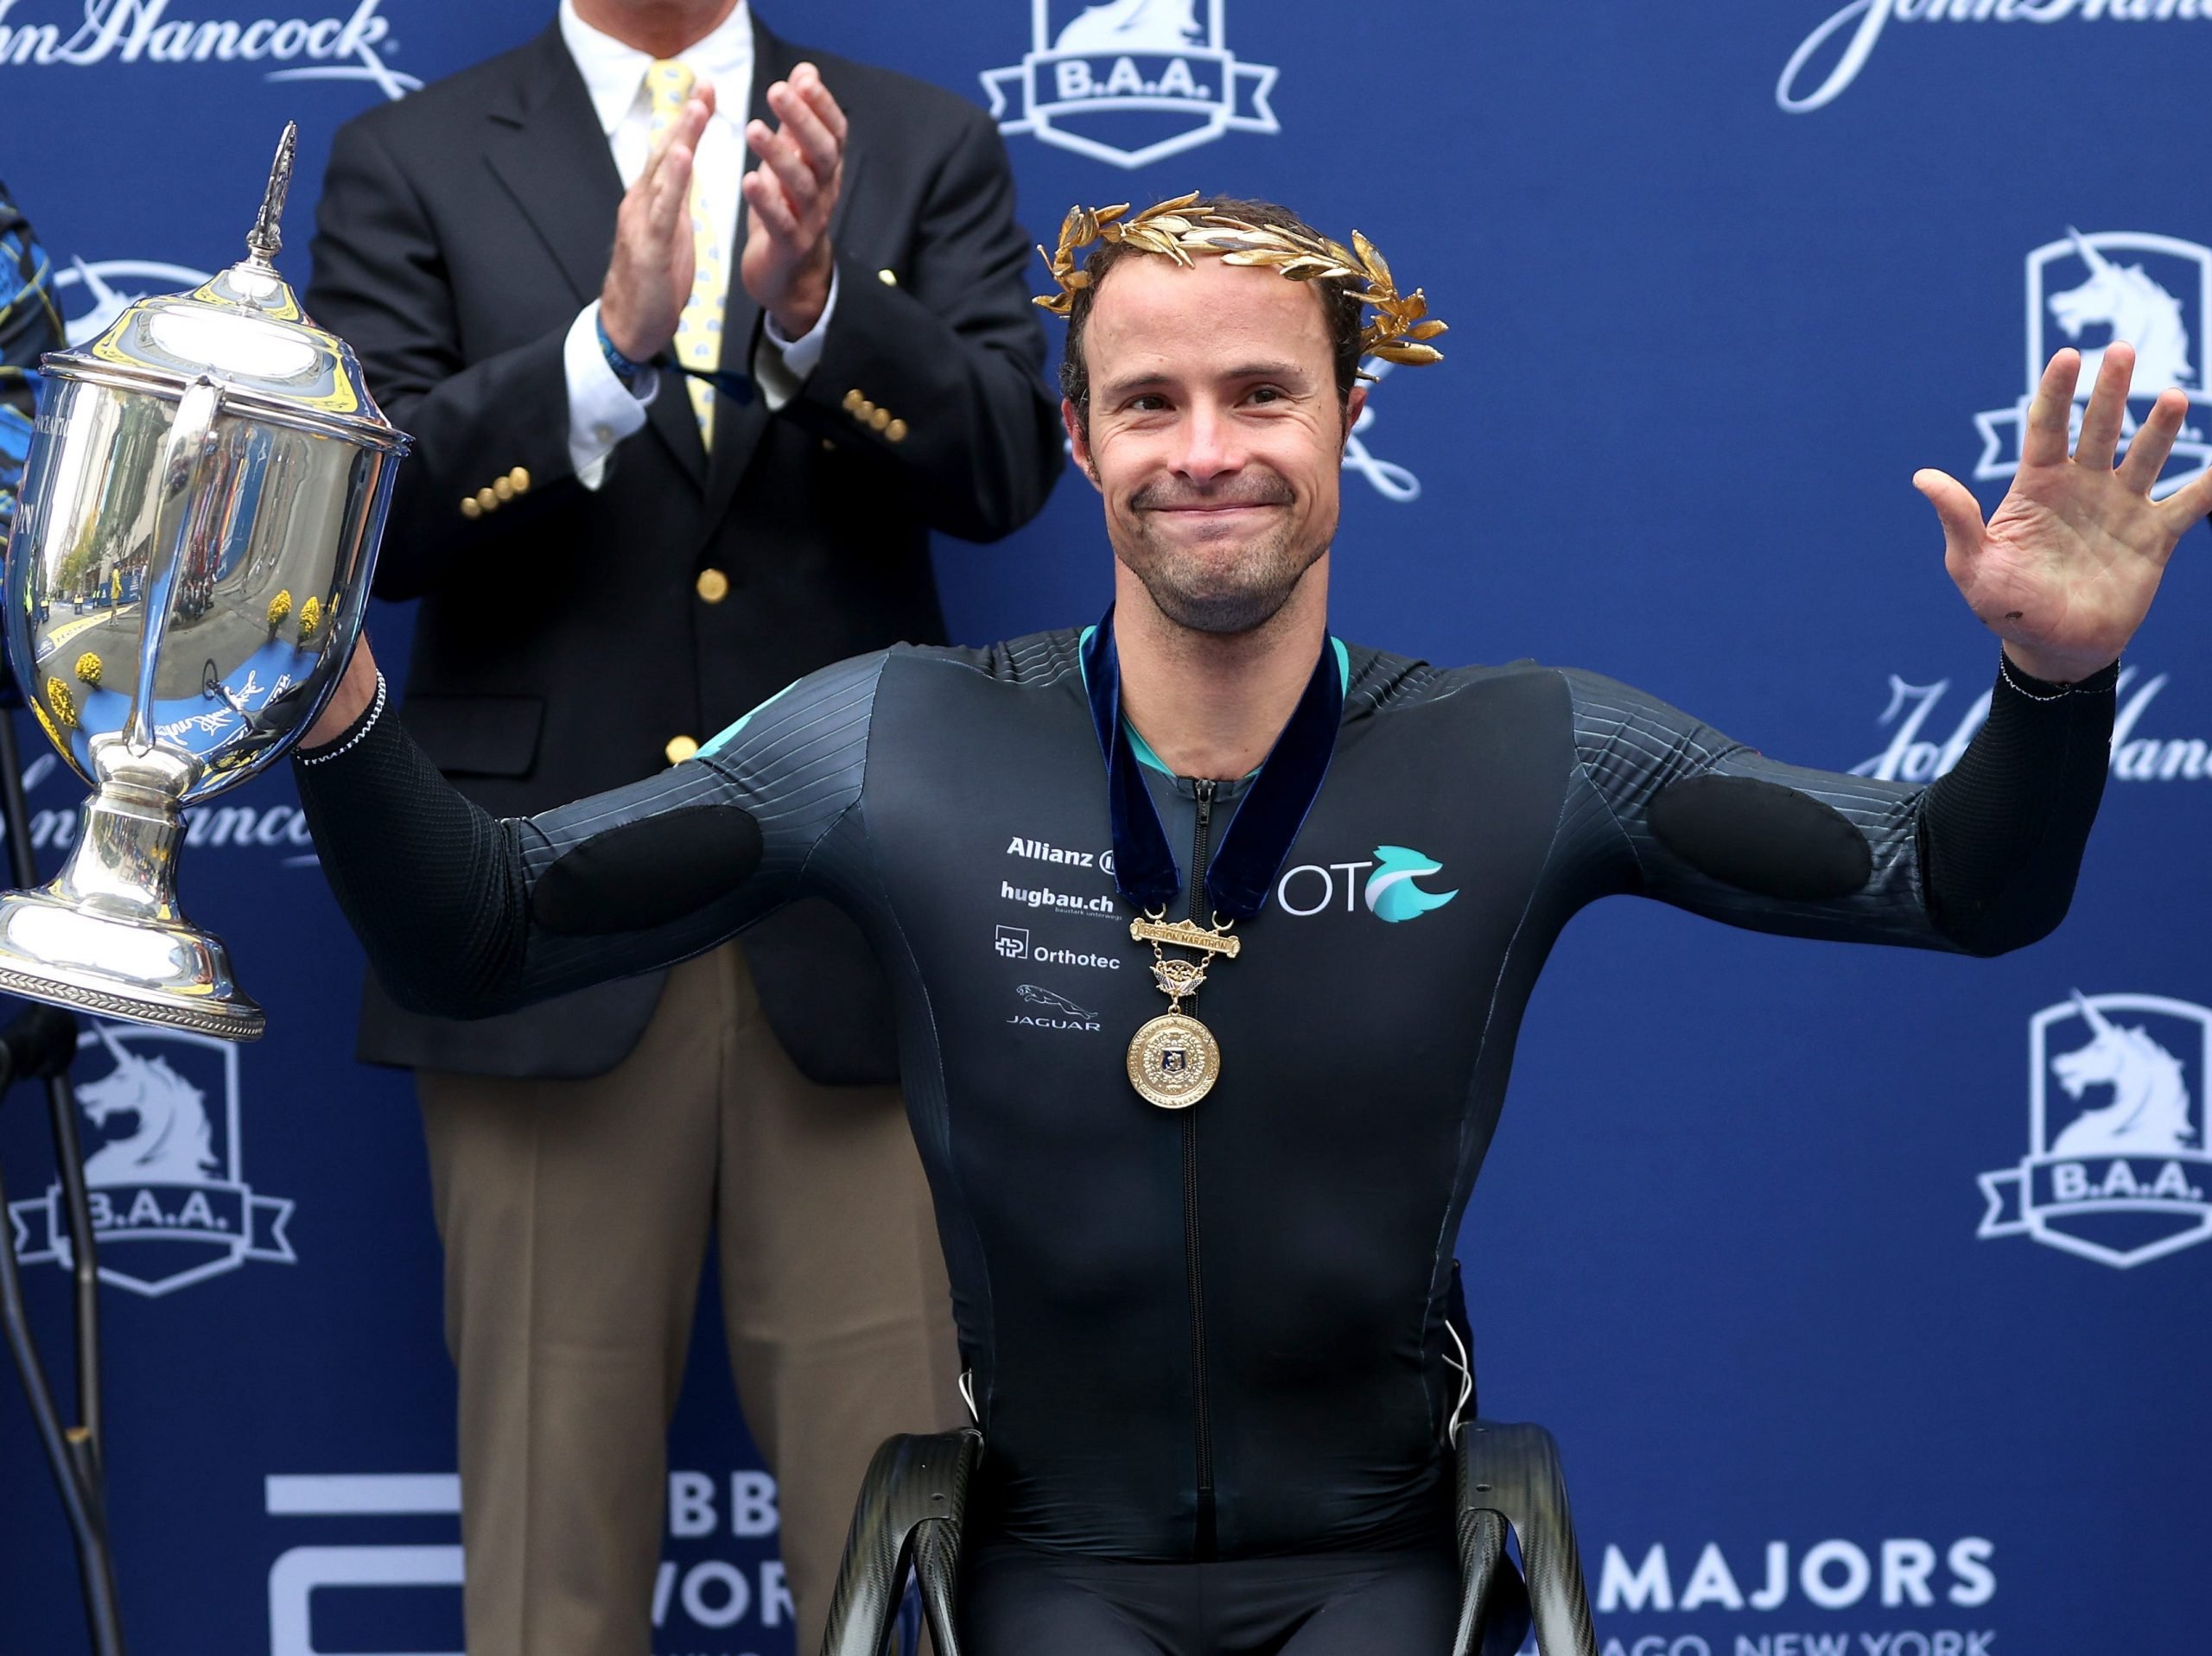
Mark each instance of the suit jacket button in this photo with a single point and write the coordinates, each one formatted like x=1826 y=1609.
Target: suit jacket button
x=520 y=478
x=853 y=401
x=896 y=431
x=487 y=500
x=714 y=585
x=502 y=488
x=469 y=508
x=888 y=278
x=679 y=748
x=863 y=410
x=879 y=419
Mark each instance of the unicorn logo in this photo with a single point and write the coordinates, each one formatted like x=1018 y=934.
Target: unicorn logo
x=1133 y=26
x=93 y=295
x=2149 y=1111
x=171 y=1142
x=1130 y=82
x=2116 y=1170
x=170 y=1204
x=1392 y=893
x=2153 y=292
x=2135 y=308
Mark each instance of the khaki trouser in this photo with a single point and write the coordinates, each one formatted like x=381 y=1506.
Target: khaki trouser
x=576 y=1216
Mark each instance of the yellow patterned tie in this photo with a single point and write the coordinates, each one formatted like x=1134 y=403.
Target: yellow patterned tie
x=699 y=329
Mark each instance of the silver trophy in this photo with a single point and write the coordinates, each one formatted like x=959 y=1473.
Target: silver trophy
x=198 y=521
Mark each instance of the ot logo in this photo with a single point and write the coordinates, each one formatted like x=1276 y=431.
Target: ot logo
x=1392 y=892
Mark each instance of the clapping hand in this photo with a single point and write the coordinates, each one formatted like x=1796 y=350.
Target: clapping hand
x=649 y=278
x=792 y=195
x=2065 y=569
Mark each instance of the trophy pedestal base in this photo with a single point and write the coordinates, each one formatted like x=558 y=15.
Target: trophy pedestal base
x=167 y=972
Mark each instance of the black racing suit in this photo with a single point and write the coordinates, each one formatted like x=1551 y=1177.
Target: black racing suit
x=1217 y=1333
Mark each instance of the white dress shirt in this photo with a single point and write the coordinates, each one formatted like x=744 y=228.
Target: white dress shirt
x=602 y=410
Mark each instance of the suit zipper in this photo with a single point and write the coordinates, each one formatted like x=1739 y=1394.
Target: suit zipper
x=1204 y=1547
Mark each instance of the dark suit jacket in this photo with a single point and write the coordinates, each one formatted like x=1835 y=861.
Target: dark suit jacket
x=562 y=639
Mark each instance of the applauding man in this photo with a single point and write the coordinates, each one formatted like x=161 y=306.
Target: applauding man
x=699 y=338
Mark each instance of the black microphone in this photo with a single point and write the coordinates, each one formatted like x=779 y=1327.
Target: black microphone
x=41 y=1042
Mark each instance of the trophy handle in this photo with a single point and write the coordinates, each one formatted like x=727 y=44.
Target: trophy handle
x=186 y=459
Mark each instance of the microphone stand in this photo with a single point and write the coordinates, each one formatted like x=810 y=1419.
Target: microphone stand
x=47 y=1036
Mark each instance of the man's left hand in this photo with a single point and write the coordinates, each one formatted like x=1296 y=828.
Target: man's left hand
x=791 y=193
x=2065 y=570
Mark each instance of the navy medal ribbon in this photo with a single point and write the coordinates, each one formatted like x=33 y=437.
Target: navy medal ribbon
x=1275 y=807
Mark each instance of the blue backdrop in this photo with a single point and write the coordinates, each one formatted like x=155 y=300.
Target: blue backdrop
x=1847 y=1358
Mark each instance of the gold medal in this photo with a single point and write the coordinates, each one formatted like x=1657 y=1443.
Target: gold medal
x=1174 y=1061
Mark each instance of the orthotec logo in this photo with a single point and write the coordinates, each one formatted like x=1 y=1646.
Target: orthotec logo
x=1392 y=890
x=2116 y=1170
x=1914 y=755
x=1129 y=82
x=132 y=31
x=170 y=1203
x=2155 y=292
x=1849 y=36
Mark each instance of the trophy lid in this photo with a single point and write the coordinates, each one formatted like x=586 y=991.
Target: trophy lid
x=243 y=326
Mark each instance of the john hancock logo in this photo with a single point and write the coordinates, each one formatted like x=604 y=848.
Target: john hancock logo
x=2116 y=1168
x=2152 y=292
x=1130 y=82
x=169 y=1200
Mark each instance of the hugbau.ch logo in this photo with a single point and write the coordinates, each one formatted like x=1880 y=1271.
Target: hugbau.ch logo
x=327 y=47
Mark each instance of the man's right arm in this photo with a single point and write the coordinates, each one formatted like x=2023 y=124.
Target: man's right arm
x=464 y=915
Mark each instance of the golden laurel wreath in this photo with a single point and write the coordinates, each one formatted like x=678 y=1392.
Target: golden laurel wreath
x=1172 y=230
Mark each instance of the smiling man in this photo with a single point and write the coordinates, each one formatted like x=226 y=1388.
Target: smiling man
x=1212 y=1343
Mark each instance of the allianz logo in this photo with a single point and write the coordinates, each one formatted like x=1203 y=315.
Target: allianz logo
x=1847 y=38
x=1912 y=756
x=129 y=31
x=1043 y=851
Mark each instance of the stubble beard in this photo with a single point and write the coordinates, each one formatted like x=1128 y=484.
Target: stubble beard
x=1218 y=590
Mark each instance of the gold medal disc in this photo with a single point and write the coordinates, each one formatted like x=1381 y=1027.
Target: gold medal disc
x=1174 y=1061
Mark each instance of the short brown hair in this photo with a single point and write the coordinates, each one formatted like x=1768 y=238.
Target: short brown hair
x=1339 y=309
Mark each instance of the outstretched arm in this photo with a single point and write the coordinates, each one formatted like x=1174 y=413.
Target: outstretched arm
x=464 y=915
x=1985 y=858
x=1981 y=861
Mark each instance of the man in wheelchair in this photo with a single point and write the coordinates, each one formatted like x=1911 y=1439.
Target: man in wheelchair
x=1201 y=1254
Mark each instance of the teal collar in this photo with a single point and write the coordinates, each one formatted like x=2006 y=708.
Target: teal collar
x=1150 y=759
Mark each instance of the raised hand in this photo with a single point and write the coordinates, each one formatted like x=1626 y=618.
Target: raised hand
x=2065 y=569
x=649 y=277
x=792 y=195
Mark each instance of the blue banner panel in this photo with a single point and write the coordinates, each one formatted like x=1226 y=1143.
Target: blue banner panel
x=1863 y=1290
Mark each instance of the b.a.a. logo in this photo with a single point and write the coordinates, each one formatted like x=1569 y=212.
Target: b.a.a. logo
x=2152 y=292
x=169 y=1200
x=1129 y=82
x=2116 y=1170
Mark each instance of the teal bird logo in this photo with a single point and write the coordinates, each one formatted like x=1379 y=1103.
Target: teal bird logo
x=1392 y=894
